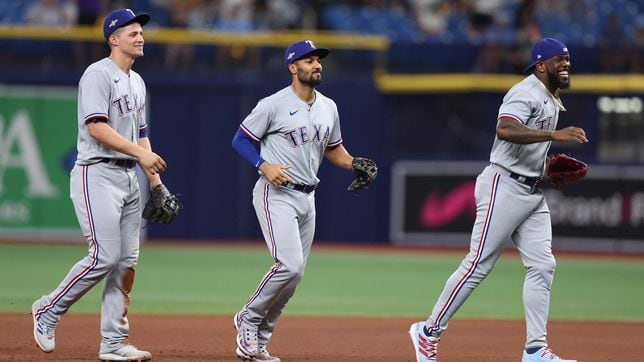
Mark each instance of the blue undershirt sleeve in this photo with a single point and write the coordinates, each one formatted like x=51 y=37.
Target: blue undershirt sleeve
x=243 y=145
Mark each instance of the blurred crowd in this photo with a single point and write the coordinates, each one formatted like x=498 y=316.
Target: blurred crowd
x=502 y=29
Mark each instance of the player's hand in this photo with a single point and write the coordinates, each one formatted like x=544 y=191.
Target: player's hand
x=275 y=174
x=151 y=162
x=570 y=134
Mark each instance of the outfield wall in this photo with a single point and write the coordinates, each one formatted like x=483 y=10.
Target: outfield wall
x=432 y=203
x=193 y=120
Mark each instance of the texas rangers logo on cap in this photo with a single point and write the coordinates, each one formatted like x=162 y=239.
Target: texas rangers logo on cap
x=113 y=22
x=120 y=18
x=302 y=49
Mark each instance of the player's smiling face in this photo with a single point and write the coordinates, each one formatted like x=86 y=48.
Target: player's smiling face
x=557 y=68
x=130 y=40
x=309 y=70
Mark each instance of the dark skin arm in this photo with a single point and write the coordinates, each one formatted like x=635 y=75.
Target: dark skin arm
x=508 y=129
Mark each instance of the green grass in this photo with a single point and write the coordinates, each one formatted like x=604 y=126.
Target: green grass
x=218 y=280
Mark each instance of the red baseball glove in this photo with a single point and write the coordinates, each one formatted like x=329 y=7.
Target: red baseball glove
x=563 y=170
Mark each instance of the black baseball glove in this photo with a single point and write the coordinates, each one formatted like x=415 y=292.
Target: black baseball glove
x=162 y=206
x=365 y=172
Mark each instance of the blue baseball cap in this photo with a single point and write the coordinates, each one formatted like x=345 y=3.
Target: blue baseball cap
x=302 y=49
x=545 y=49
x=120 y=18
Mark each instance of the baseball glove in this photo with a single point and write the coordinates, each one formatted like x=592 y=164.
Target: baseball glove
x=563 y=170
x=162 y=206
x=365 y=172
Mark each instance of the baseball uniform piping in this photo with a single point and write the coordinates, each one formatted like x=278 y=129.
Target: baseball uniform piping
x=249 y=133
x=507 y=115
x=269 y=223
x=479 y=252
x=96 y=117
x=277 y=265
x=261 y=285
x=88 y=207
x=143 y=131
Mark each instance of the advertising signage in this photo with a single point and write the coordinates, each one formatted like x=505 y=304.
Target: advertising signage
x=433 y=204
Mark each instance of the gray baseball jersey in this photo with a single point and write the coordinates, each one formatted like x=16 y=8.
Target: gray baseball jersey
x=510 y=209
x=107 y=202
x=294 y=133
x=530 y=103
x=105 y=92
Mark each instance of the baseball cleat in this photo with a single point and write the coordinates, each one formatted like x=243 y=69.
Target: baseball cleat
x=44 y=334
x=543 y=355
x=247 y=344
x=425 y=348
x=126 y=352
x=244 y=357
x=264 y=356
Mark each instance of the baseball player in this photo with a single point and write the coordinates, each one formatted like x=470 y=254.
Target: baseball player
x=296 y=126
x=112 y=139
x=510 y=204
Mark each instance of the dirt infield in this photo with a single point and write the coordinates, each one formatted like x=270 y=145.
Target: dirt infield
x=211 y=338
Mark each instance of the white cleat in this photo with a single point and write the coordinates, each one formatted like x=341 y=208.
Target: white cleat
x=126 y=352
x=543 y=355
x=247 y=344
x=44 y=334
x=264 y=356
x=425 y=348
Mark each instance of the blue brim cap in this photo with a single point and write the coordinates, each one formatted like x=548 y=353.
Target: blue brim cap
x=120 y=18
x=302 y=49
x=545 y=49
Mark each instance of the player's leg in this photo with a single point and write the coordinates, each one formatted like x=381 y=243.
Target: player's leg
x=534 y=242
x=119 y=282
x=502 y=204
x=498 y=212
x=100 y=226
x=99 y=223
x=307 y=231
x=278 y=218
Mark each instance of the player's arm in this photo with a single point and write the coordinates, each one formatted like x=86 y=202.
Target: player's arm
x=275 y=174
x=150 y=162
x=511 y=130
x=335 y=151
x=153 y=178
x=339 y=156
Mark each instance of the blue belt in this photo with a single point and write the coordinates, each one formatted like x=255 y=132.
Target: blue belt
x=307 y=189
